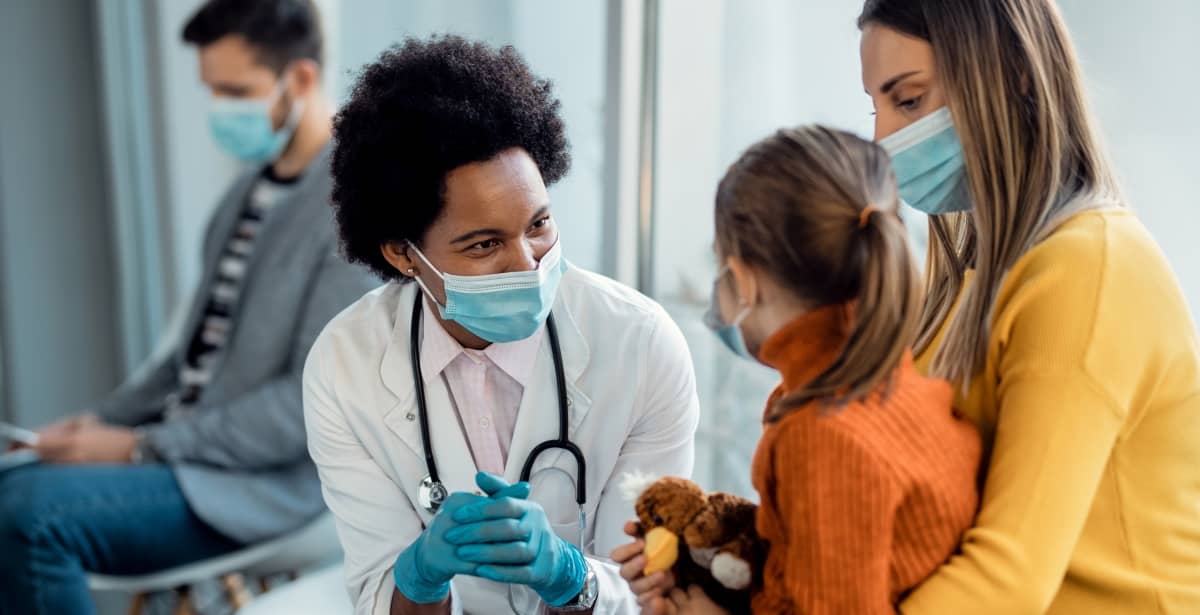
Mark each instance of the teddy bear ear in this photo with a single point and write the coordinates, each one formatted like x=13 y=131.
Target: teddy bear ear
x=633 y=483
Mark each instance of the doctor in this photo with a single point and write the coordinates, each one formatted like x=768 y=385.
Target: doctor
x=488 y=358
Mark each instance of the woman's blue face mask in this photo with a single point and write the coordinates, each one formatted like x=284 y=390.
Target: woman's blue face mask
x=928 y=160
x=501 y=307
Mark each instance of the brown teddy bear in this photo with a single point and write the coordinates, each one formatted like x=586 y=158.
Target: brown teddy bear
x=720 y=551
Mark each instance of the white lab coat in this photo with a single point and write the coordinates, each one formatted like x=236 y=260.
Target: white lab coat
x=633 y=406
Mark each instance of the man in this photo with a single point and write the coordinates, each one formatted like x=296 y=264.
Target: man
x=203 y=450
x=427 y=398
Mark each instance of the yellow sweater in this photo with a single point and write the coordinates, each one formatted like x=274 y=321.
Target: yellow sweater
x=1090 y=404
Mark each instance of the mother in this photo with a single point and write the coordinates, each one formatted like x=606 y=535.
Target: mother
x=1052 y=310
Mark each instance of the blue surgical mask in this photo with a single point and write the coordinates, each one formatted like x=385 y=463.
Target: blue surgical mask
x=243 y=127
x=928 y=159
x=730 y=334
x=502 y=307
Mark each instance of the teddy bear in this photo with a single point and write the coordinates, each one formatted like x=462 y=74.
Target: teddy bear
x=706 y=539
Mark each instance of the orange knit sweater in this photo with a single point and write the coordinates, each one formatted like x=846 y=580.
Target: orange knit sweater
x=861 y=502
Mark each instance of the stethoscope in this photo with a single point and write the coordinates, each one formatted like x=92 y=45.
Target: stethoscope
x=432 y=492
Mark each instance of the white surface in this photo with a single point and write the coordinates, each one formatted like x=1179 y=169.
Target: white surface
x=319 y=593
x=1139 y=62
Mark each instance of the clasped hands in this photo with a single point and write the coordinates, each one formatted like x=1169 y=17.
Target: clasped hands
x=501 y=536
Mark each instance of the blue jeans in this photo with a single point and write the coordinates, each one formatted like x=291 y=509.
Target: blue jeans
x=59 y=522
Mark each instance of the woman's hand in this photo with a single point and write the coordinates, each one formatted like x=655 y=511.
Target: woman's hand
x=693 y=602
x=651 y=590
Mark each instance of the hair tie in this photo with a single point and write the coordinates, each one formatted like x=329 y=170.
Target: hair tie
x=865 y=216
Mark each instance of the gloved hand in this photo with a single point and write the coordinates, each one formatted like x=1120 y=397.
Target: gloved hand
x=424 y=570
x=511 y=541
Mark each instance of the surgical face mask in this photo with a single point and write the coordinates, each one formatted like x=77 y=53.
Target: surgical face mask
x=730 y=334
x=928 y=159
x=243 y=128
x=501 y=307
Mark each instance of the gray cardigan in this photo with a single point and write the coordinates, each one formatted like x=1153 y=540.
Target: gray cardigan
x=240 y=454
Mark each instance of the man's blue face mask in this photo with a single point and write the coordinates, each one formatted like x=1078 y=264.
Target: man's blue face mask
x=243 y=127
x=501 y=307
x=928 y=160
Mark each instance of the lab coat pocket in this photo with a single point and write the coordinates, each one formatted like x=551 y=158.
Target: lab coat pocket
x=553 y=486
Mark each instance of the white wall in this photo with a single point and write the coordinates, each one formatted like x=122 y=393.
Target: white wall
x=1142 y=63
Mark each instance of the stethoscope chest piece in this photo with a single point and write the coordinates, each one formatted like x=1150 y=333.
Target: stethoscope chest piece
x=431 y=495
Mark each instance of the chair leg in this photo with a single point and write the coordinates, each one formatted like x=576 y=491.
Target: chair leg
x=235 y=590
x=138 y=604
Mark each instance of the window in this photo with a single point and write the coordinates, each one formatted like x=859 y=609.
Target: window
x=731 y=73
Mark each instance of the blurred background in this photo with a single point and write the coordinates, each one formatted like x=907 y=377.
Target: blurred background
x=108 y=173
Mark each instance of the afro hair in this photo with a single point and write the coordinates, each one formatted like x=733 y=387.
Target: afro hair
x=423 y=109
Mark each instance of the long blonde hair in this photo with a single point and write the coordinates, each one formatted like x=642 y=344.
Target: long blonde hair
x=1033 y=159
x=817 y=210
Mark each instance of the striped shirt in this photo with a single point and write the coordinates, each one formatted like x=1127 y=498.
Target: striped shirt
x=211 y=335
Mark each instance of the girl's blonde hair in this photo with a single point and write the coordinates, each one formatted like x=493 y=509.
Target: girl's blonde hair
x=817 y=210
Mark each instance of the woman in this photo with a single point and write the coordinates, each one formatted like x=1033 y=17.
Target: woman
x=866 y=478
x=485 y=344
x=1051 y=310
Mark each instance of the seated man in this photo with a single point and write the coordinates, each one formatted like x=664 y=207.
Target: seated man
x=203 y=451
x=489 y=363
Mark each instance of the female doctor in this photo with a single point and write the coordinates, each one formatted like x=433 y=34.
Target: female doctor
x=470 y=418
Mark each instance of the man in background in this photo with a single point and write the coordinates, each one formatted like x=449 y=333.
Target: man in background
x=203 y=450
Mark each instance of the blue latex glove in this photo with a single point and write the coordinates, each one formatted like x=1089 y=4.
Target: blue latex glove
x=424 y=570
x=511 y=541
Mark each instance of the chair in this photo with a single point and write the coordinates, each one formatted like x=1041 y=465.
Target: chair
x=309 y=547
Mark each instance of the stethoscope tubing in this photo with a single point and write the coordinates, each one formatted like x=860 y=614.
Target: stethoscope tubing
x=563 y=441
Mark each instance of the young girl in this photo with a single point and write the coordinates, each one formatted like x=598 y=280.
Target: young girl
x=865 y=474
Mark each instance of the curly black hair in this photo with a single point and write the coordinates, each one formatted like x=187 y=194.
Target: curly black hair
x=423 y=109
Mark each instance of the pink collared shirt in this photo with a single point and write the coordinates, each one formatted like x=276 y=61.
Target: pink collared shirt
x=485 y=387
